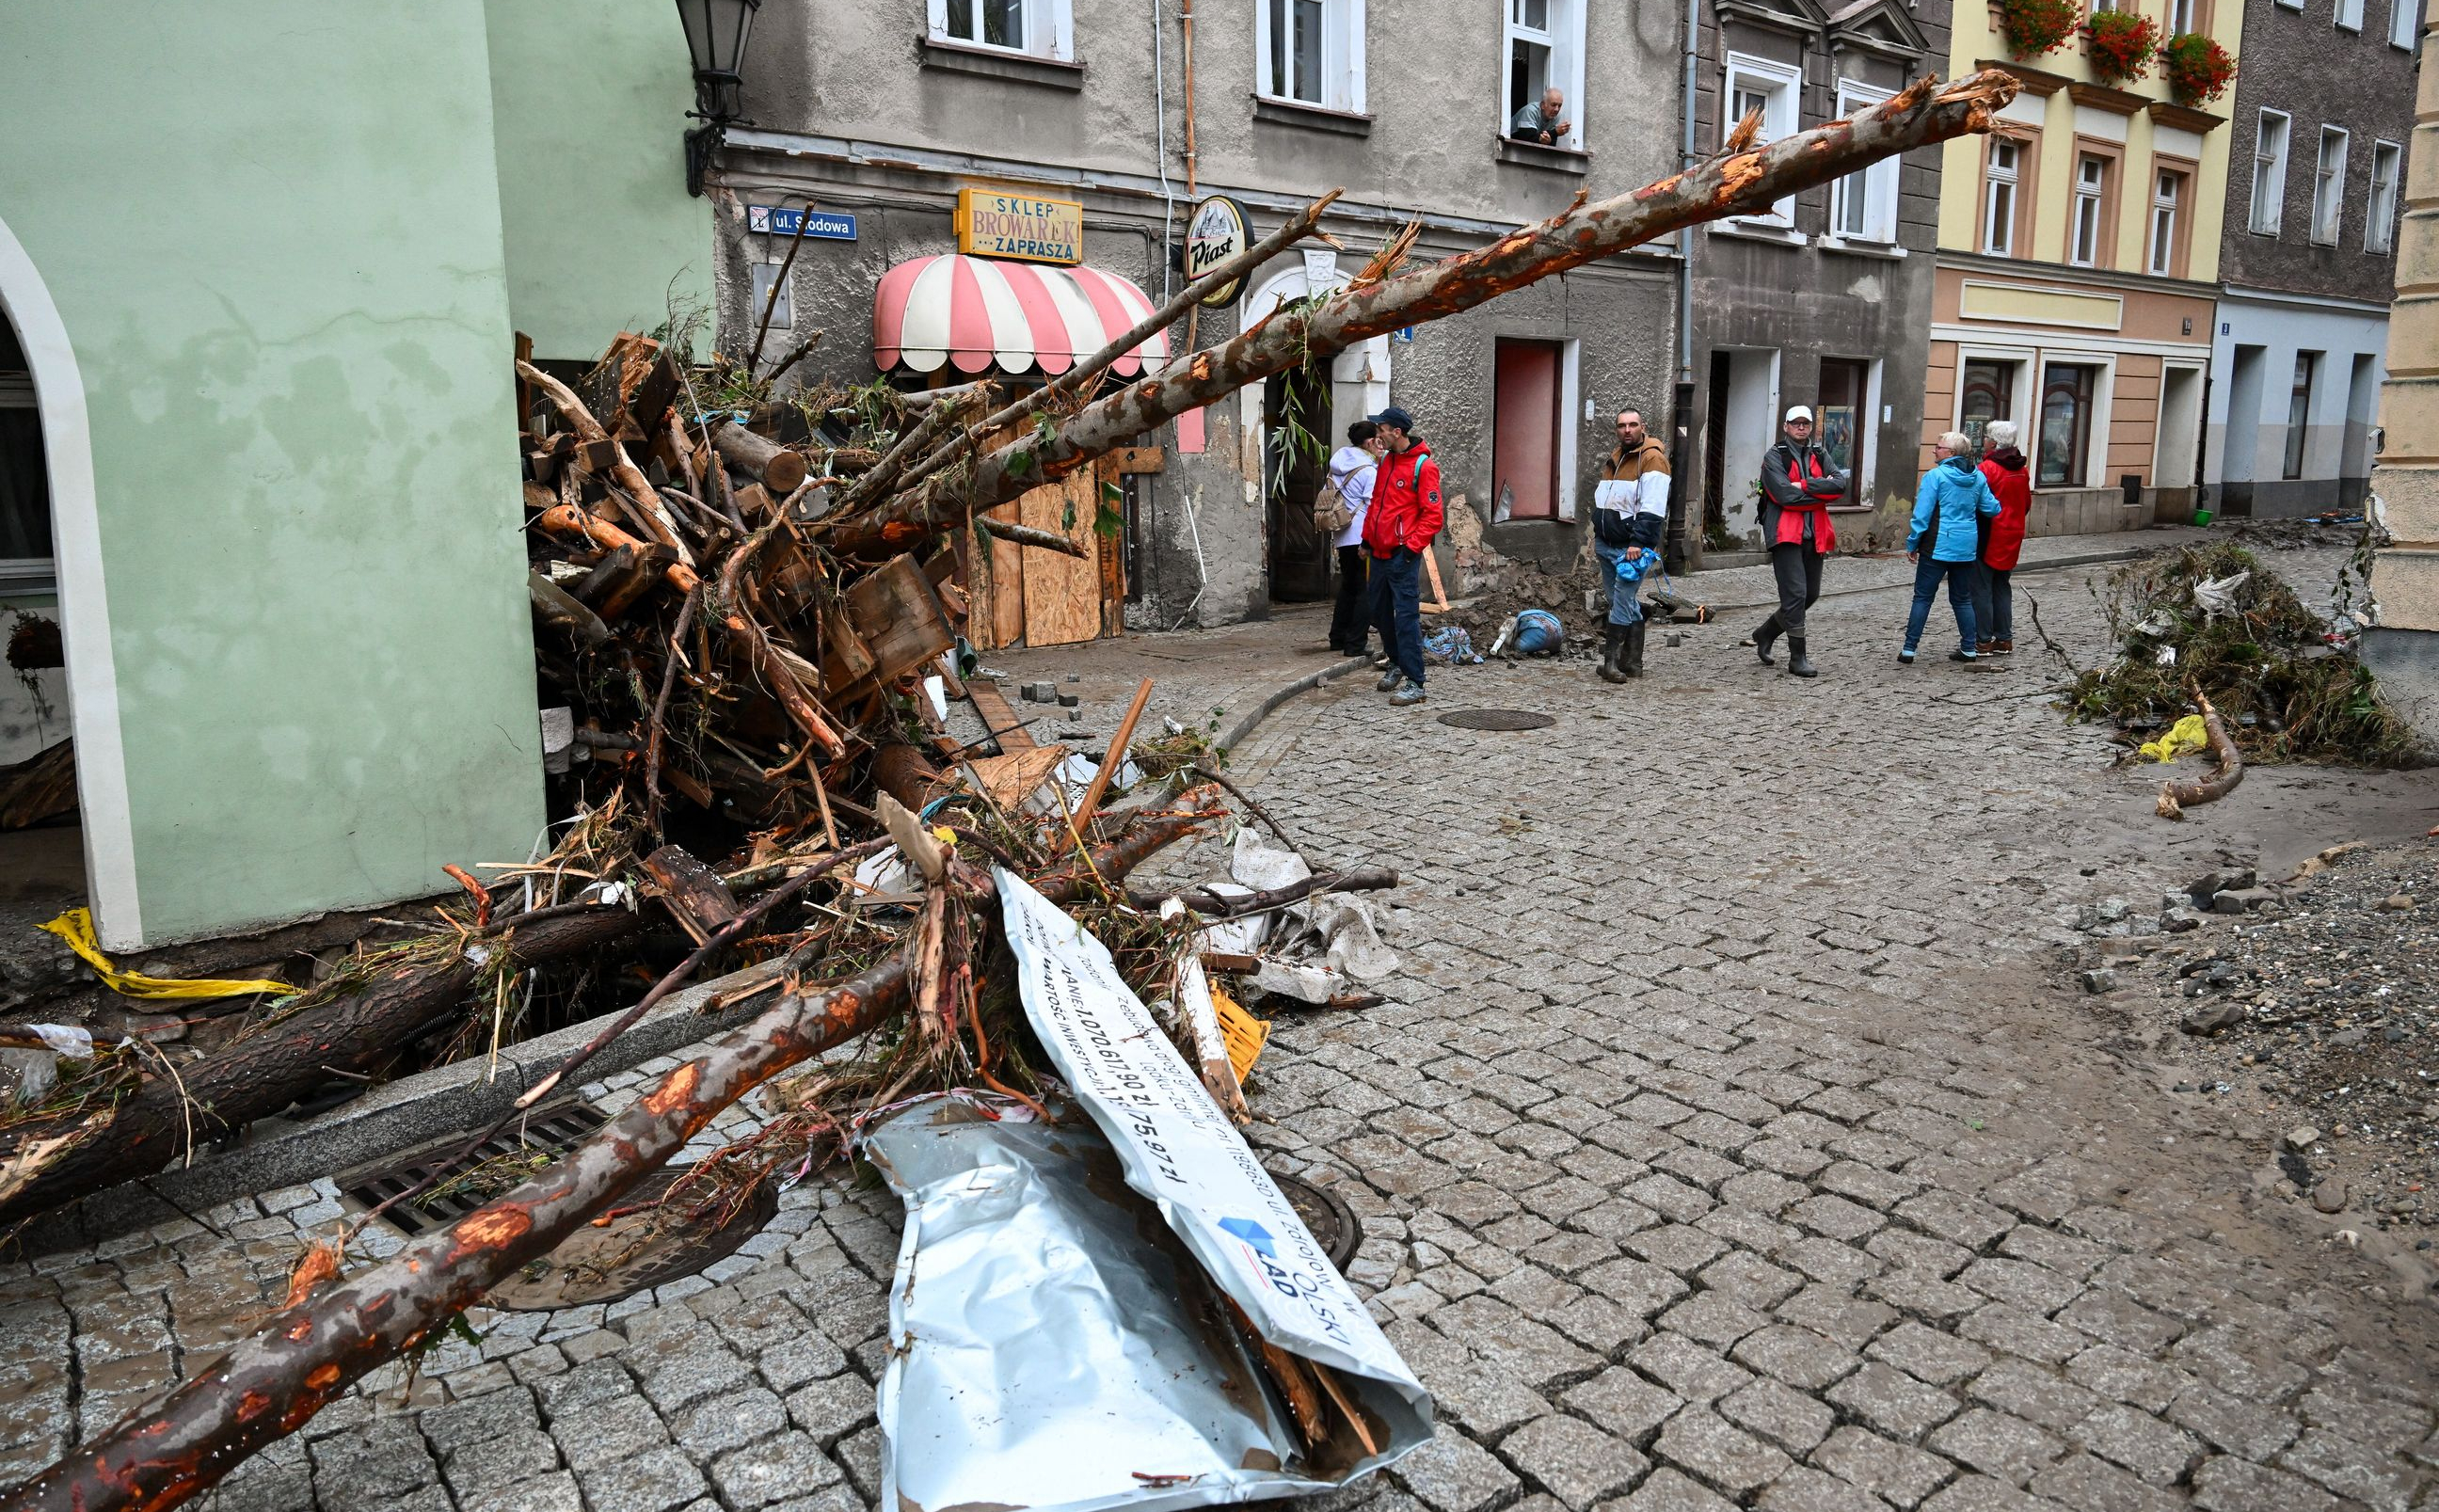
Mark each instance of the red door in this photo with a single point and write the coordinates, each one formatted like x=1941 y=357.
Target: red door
x=1524 y=432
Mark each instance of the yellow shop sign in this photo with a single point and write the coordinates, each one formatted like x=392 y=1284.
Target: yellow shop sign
x=991 y=225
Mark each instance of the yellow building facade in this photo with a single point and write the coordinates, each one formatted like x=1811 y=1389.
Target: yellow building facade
x=2078 y=258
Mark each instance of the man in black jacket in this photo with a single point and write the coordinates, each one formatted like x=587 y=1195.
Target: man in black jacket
x=1798 y=485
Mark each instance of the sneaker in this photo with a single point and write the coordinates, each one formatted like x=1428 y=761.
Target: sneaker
x=1408 y=696
x=1963 y=656
x=1905 y=657
x=1389 y=681
x=2002 y=648
x=1985 y=647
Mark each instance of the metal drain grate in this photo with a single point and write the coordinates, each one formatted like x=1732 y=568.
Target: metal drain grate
x=551 y=1132
x=1497 y=720
x=1332 y=1222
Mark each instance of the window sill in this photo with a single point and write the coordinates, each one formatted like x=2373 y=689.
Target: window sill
x=29 y=578
x=1779 y=236
x=1555 y=159
x=997 y=63
x=1886 y=251
x=1311 y=117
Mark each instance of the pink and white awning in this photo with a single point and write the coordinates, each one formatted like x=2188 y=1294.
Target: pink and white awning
x=981 y=312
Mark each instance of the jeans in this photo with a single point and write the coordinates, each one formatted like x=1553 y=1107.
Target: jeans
x=1396 y=610
x=1624 y=594
x=1351 y=619
x=1798 y=571
x=1994 y=605
x=1927 y=577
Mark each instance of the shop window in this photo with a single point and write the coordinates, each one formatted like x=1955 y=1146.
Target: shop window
x=2089 y=243
x=2404 y=21
x=1311 y=52
x=1772 y=90
x=1987 y=393
x=2269 y=172
x=1843 y=410
x=2299 y=412
x=2003 y=193
x=1044 y=28
x=2379 y=220
x=2329 y=185
x=1863 y=204
x=1545 y=51
x=2067 y=393
x=2167 y=214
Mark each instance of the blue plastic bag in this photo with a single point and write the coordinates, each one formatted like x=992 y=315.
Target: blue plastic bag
x=1539 y=633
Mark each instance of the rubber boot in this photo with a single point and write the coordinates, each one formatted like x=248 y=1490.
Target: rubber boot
x=1762 y=639
x=1799 y=664
x=1635 y=632
x=1613 y=653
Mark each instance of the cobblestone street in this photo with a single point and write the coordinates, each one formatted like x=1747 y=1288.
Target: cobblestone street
x=1735 y=1136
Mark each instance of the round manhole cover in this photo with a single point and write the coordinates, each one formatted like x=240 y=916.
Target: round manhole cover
x=1331 y=1220
x=1497 y=720
x=643 y=1246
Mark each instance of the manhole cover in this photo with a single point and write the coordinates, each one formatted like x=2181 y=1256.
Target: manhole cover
x=1331 y=1220
x=643 y=1246
x=1497 y=720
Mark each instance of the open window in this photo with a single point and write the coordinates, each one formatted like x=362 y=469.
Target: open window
x=2270 y=172
x=1311 y=52
x=1038 y=28
x=1544 y=51
x=1863 y=204
x=1775 y=90
x=2379 y=210
x=2329 y=185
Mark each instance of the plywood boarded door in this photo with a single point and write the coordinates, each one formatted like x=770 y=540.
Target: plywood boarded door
x=1063 y=594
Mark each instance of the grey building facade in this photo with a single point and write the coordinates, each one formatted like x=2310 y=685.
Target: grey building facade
x=884 y=112
x=2324 y=105
x=1827 y=302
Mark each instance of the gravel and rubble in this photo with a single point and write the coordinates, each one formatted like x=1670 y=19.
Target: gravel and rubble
x=2307 y=1007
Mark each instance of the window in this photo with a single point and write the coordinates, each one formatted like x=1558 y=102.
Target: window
x=1545 y=51
x=1042 y=28
x=2182 y=18
x=2299 y=412
x=1312 y=51
x=2379 y=214
x=25 y=483
x=2089 y=243
x=1863 y=205
x=2066 y=425
x=1526 y=410
x=2168 y=200
x=2404 y=20
x=2269 y=172
x=2006 y=182
x=2329 y=186
x=2350 y=14
x=1988 y=394
x=1759 y=84
x=1843 y=409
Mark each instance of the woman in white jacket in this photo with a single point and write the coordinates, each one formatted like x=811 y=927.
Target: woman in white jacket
x=1351 y=468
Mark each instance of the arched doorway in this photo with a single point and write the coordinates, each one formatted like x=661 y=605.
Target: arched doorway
x=47 y=506
x=1299 y=561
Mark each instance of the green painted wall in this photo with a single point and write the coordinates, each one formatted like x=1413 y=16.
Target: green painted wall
x=271 y=228
x=591 y=99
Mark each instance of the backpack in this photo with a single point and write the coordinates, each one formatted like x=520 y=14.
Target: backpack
x=1330 y=514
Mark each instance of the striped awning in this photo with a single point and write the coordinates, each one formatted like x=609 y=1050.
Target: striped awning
x=981 y=312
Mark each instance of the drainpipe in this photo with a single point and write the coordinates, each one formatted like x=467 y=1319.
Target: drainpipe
x=1185 y=20
x=1160 y=138
x=1681 y=459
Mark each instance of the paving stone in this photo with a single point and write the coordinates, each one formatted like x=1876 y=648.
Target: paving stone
x=554 y=1492
x=1798 y=1357
x=2011 y=1328
x=2151 y=1449
x=655 y=1481
x=2089 y=1484
x=1805 y=1490
x=603 y=1431
x=1980 y=1493
x=2226 y=1483
x=1452 y=1473
x=1667 y=1490
x=2034 y=1394
x=380 y=1461
x=499 y=1460
x=783 y=1465
x=2352 y=1471
x=712 y=1427
x=1624 y=1403
x=1892 y=1403
x=2122 y=1375
x=1638 y=1285
x=1694 y=1373
x=2233 y=1423
x=1579 y=1463
x=831 y=1409
x=1997 y=1445
x=1793 y=1420
x=1717 y=1453
x=1898 y=1473
x=1713 y=1318
x=1751 y=1280
x=1929 y=1355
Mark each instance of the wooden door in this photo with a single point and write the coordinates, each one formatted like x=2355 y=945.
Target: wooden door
x=1063 y=594
x=1293 y=471
x=1524 y=434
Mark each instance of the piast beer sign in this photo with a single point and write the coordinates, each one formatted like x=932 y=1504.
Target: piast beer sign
x=1219 y=230
x=992 y=225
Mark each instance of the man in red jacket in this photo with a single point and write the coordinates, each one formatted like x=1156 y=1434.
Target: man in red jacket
x=1397 y=529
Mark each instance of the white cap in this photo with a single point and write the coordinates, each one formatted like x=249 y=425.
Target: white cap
x=1794 y=413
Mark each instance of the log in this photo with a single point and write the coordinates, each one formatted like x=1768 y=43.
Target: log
x=693 y=891
x=1219 y=905
x=622 y=471
x=1736 y=182
x=2176 y=797
x=271 y=1382
x=759 y=457
x=570 y=522
x=220 y=1095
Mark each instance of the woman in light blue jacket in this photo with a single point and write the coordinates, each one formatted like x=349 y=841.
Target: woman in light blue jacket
x=1948 y=508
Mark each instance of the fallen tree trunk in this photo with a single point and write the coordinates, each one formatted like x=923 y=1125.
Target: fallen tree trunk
x=211 y=1099
x=761 y=459
x=271 y=1382
x=2176 y=797
x=1736 y=182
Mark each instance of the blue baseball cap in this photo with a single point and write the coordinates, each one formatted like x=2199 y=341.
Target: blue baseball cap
x=1394 y=415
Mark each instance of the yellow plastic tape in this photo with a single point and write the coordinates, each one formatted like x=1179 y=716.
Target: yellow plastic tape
x=2188 y=734
x=75 y=927
x=1244 y=1034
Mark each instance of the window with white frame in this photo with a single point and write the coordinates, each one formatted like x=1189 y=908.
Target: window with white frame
x=1774 y=90
x=1863 y=204
x=2404 y=21
x=2380 y=213
x=2270 y=172
x=1545 y=51
x=2180 y=17
x=2167 y=203
x=2290 y=4
x=1312 y=51
x=2087 y=240
x=2329 y=185
x=1044 y=28
x=2350 y=16
x=2006 y=181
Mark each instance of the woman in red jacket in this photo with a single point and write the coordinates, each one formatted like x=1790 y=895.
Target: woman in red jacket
x=1994 y=602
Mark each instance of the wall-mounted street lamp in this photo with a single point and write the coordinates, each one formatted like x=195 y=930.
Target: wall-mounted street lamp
x=716 y=32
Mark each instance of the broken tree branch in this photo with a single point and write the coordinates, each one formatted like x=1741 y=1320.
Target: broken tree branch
x=2176 y=797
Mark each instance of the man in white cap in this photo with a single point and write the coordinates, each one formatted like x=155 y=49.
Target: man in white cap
x=1798 y=485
